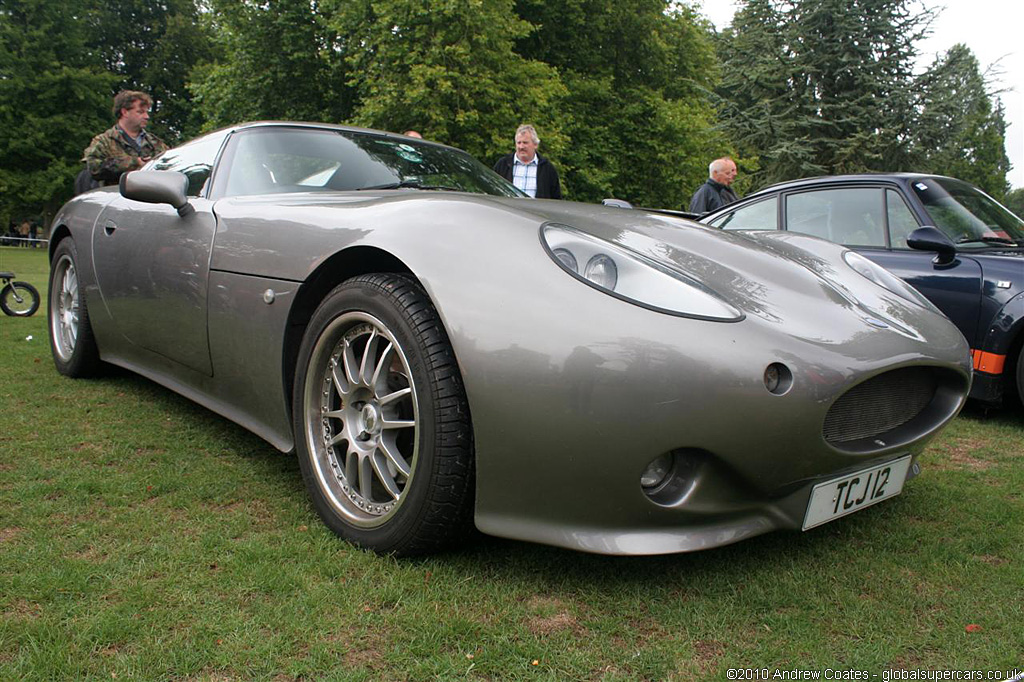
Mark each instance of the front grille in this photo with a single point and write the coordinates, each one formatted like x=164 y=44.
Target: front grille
x=879 y=405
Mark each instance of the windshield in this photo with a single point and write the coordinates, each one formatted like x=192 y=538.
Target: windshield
x=281 y=160
x=967 y=215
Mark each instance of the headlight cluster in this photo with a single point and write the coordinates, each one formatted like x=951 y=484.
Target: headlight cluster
x=631 y=276
x=885 y=279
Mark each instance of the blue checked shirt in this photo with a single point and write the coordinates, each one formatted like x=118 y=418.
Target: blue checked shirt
x=524 y=175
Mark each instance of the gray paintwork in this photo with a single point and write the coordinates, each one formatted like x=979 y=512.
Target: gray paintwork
x=572 y=391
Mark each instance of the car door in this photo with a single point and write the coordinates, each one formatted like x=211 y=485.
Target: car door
x=152 y=265
x=955 y=288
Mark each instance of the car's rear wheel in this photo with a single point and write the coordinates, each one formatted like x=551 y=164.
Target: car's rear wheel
x=71 y=339
x=381 y=421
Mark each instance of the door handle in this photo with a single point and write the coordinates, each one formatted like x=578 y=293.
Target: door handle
x=109 y=228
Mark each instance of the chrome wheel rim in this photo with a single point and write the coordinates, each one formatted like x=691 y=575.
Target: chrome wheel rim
x=361 y=417
x=64 y=307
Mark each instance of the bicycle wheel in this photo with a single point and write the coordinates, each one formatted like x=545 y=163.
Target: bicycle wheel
x=19 y=299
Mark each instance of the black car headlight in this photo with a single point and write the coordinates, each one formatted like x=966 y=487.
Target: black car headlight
x=885 y=279
x=631 y=276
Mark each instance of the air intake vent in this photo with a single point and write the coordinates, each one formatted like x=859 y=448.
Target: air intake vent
x=879 y=405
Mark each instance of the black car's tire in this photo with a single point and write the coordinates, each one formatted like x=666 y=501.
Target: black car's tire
x=1020 y=376
x=72 y=343
x=382 y=426
x=26 y=307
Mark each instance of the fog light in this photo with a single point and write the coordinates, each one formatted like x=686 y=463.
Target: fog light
x=656 y=472
x=777 y=378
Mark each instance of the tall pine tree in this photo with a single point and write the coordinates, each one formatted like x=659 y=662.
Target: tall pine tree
x=822 y=86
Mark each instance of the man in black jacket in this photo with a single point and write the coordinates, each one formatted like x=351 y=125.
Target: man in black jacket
x=715 y=192
x=528 y=170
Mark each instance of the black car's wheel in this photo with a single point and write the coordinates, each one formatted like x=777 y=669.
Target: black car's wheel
x=19 y=299
x=71 y=340
x=1020 y=376
x=381 y=421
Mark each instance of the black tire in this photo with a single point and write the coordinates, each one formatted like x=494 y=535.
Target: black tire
x=26 y=306
x=1020 y=376
x=385 y=445
x=72 y=343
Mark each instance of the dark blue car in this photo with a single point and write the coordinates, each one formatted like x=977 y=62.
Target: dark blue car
x=951 y=241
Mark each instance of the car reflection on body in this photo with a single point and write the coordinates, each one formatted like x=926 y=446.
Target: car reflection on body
x=951 y=241
x=442 y=352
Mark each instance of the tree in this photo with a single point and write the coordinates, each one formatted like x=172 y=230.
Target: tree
x=822 y=86
x=960 y=132
x=447 y=69
x=1014 y=200
x=279 y=59
x=54 y=97
x=636 y=112
x=757 y=102
x=153 y=46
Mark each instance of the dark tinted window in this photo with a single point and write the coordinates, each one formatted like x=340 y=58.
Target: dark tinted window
x=851 y=216
x=194 y=159
x=283 y=160
x=762 y=215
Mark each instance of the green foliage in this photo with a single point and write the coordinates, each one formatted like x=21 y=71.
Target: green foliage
x=960 y=132
x=1014 y=200
x=447 y=69
x=278 y=59
x=53 y=98
x=632 y=98
x=636 y=108
x=153 y=47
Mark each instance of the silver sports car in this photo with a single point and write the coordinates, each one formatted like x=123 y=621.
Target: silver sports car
x=442 y=352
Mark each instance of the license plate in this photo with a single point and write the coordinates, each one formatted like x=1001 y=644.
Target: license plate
x=842 y=496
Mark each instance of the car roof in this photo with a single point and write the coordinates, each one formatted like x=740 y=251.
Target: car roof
x=326 y=126
x=851 y=179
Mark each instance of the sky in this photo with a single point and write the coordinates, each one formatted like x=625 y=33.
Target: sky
x=990 y=28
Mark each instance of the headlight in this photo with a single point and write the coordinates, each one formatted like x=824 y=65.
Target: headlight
x=633 y=277
x=885 y=279
x=601 y=271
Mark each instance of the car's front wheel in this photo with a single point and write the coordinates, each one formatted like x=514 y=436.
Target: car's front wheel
x=19 y=299
x=71 y=340
x=381 y=421
x=1020 y=376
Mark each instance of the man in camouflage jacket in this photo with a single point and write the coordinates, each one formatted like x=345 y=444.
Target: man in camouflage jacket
x=127 y=146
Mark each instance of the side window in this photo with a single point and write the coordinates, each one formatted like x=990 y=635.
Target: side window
x=283 y=160
x=762 y=215
x=846 y=216
x=901 y=220
x=194 y=159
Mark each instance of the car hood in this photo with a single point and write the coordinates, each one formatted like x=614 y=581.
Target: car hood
x=766 y=274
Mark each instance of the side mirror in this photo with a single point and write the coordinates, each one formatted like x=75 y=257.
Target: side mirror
x=617 y=203
x=157 y=187
x=931 y=239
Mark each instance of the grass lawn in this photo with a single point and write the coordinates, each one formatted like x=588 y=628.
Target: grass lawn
x=143 y=537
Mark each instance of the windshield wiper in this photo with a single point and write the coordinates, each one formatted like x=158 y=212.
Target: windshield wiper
x=411 y=184
x=987 y=240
